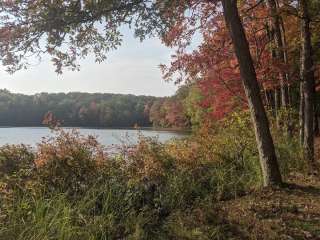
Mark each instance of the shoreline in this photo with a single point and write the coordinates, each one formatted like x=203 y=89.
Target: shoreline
x=107 y=128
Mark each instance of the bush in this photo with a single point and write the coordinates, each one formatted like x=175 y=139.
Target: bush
x=15 y=159
x=285 y=131
x=290 y=155
x=71 y=189
x=17 y=174
x=69 y=162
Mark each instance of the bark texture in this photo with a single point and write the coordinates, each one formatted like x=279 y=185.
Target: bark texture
x=308 y=80
x=301 y=111
x=268 y=159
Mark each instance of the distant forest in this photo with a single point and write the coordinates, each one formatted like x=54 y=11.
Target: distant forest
x=74 y=109
x=90 y=110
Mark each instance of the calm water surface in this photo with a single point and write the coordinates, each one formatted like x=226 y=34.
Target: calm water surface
x=33 y=135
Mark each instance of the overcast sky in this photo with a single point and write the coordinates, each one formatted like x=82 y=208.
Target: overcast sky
x=133 y=68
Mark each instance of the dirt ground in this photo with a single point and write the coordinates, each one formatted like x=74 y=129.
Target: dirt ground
x=292 y=212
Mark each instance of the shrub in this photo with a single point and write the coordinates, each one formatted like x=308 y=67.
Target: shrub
x=17 y=174
x=69 y=162
x=150 y=190
x=14 y=159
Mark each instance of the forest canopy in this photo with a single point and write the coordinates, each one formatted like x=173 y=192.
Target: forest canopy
x=79 y=109
x=74 y=109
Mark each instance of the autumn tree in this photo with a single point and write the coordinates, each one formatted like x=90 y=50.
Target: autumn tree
x=69 y=29
x=308 y=81
x=266 y=148
x=278 y=32
x=307 y=15
x=170 y=111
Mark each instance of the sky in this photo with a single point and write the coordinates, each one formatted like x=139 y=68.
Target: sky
x=132 y=69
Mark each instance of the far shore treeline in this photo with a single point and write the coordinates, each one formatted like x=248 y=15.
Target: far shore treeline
x=91 y=110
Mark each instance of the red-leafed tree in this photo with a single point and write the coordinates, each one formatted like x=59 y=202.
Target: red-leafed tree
x=67 y=29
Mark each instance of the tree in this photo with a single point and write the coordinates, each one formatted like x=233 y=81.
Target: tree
x=28 y=22
x=280 y=46
x=308 y=81
x=74 y=109
x=264 y=140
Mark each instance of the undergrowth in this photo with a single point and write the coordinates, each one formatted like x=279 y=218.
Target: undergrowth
x=69 y=187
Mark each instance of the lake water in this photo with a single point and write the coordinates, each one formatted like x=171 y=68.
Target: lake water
x=33 y=135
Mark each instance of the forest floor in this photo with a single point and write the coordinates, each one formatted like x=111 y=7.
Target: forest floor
x=292 y=212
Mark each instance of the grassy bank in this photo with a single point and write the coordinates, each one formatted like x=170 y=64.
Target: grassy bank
x=205 y=187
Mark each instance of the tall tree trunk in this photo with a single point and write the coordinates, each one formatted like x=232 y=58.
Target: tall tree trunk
x=316 y=124
x=268 y=159
x=301 y=110
x=277 y=100
x=307 y=74
x=280 y=53
x=267 y=99
x=271 y=95
x=286 y=60
x=276 y=91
